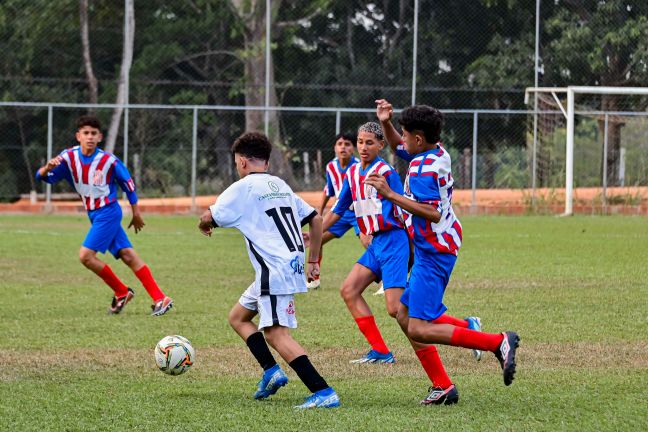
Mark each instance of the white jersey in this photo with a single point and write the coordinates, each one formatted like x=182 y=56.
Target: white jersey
x=270 y=216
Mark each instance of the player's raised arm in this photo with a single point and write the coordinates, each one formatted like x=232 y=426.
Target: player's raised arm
x=384 y=112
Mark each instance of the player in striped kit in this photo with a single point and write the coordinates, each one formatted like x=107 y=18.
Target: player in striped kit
x=387 y=256
x=437 y=235
x=95 y=175
x=335 y=171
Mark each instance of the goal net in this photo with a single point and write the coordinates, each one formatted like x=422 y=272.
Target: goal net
x=589 y=145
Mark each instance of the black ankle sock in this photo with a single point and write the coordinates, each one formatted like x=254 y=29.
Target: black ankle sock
x=259 y=349
x=308 y=374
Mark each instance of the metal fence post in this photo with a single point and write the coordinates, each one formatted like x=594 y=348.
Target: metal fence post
x=338 y=122
x=605 y=162
x=473 y=204
x=50 y=123
x=194 y=157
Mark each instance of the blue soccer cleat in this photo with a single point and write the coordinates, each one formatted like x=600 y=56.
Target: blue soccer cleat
x=326 y=398
x=273 y=379
x=375 y=357
x=474 y=323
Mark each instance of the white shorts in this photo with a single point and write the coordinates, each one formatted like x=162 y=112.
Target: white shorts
x=273 y=309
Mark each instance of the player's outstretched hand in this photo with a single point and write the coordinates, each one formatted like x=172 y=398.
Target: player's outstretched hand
x=366 y=240
x=205 y=224
x=53 y=163
x=379 y=183
x=137 y=222
x=313 y=270
x=384 y=110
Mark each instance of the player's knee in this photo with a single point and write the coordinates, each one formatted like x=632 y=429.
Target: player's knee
x=402 y=320
x=85 y=257
x=392 y=310
x=346 y=291
x=128 y=256
x=415 y=332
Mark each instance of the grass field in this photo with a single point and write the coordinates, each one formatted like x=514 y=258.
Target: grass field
x=576 y=290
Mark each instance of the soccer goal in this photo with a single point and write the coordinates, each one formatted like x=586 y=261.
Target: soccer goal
x=605 y=151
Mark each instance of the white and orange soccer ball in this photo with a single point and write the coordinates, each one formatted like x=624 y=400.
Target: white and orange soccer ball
x=174 y=355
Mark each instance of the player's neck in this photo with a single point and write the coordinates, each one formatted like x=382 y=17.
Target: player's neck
x=365 y=165
x=344 y=162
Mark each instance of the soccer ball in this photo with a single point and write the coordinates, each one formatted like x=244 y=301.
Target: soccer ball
x=174 y=355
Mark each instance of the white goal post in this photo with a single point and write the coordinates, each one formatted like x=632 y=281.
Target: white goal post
x=568 y=112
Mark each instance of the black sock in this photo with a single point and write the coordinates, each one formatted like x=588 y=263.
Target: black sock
x=308 y=374
x=259 y=349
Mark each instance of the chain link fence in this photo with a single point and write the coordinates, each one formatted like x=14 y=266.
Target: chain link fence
x=190 y=76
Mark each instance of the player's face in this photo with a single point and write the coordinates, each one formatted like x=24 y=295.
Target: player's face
x=369 y=146
x=88 y=138
x=343 y=149
x=412 y=142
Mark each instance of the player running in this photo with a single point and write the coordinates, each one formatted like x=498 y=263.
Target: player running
x=95 y=175
x=387 y=256
x=270 y=216
x=437 y=236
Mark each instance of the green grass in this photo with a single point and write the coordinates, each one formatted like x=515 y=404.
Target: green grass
x=576 y=289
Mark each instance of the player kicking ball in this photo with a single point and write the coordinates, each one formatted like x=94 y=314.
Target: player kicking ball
x=437 y=237
x=270 y=216
x=95 y=175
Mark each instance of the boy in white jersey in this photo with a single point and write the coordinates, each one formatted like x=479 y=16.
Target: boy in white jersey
x=95 y=174
x=269 y=215
x=437 y=235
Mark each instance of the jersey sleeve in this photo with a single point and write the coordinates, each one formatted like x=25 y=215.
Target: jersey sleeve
x=394 y=181
x=345 y=199
x=59 y=173
x=229 y=207
x=304 y=211
x=329 y=189
x=125 y=182
x=402 y=153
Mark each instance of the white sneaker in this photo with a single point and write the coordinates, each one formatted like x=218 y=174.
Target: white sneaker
x=314 y=284
x=380 y=290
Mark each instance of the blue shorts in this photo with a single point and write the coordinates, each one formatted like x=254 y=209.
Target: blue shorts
x=430 y=275
x=106 y=232
x=345 y=223
x=387 y=257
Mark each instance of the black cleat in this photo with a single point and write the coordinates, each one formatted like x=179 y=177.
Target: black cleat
x=118 y=304
x=162 y=306
x=439 y=396
x=506 y=355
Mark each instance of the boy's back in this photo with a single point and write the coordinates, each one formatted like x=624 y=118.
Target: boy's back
x=269 y=214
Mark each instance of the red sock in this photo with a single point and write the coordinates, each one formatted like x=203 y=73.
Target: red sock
x=465 y=338
x=369 y=329
x=433 y=366
x=448 y=319
x=113 y=281
x=152 y=288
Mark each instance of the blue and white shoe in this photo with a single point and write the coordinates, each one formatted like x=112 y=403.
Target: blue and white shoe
x=273 y=379
x=474 y=323
x=326 y=398
x=375 y=357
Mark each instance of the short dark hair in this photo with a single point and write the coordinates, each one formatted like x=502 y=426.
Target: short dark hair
x=423 y=118
x=347 y=136
x=88 y=120
x=253 y=145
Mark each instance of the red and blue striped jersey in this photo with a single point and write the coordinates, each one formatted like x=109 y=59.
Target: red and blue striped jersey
x=335 y=176
x=429 y=180
x=94 y=177
x=372 y=212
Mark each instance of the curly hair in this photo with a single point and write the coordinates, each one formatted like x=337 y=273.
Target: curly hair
x=253 y=145
x=372 y=127
x=423 y=118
